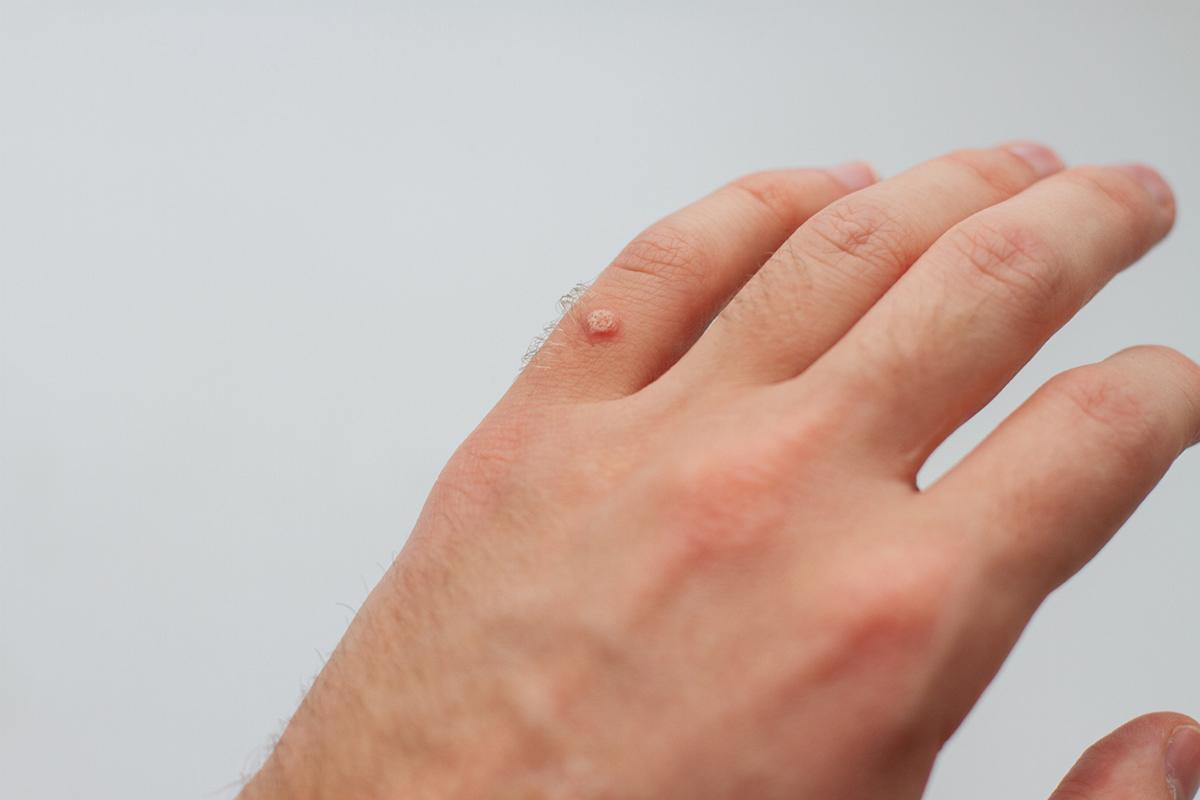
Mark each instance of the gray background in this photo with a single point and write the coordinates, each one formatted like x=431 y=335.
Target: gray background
x=263 y=266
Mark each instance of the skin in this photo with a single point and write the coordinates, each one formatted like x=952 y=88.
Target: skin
x=685 y=556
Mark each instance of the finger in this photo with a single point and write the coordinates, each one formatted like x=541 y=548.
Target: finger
x=835 y=267
x=984 y=298
x=647 y=308
x=1051 y=485
x=1154 y=757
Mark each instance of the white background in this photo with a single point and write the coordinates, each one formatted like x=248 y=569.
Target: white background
x=263 y=265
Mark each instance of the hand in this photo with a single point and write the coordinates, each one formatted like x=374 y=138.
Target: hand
x=683 y=560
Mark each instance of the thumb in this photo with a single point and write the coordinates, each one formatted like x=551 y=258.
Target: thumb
x=1155 y=757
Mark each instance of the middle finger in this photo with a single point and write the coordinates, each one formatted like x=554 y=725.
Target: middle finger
x=839 y=263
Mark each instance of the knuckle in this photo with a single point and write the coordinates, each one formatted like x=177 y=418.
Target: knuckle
x=775 y=192
x=1183 y=375
x=1003 y=173
x=894 y=606
x=895 y=610
x=726 y=504
x=1012 y=258
x=667 y=251
x=1110 y=402
x=909 y=600
x=860 y=231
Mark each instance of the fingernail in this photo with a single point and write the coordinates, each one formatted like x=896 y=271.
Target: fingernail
x=1151 y=180
x=1043 y=160
x=1183 y=762
x=854 y=175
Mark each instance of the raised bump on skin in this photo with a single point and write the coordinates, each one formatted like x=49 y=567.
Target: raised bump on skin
x=602 y=322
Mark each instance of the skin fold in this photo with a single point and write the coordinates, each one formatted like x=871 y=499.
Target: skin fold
x=686 y=557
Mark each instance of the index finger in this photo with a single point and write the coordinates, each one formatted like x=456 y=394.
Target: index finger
x=1044 y=492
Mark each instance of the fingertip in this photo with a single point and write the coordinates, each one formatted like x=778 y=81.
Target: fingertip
x=854 y=175
x=1185 y=377
x=1183 y=762
x=1042 y=159
x=1152 y=182
x=1155 y=756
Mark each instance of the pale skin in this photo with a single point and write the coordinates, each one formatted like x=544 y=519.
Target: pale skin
x=690 y=560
